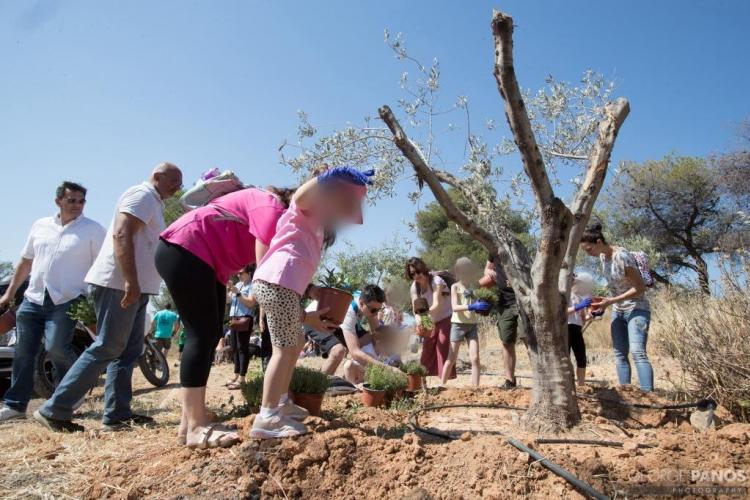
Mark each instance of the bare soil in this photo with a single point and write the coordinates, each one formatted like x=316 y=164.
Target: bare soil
x=357 y=452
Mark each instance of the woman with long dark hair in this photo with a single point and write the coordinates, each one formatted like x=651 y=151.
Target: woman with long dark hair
x=196 y=256
x=242 y=307
x=631 y=312
x=432 y=288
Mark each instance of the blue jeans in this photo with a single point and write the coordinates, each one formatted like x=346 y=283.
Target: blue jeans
x=630 y=334
x=34 y=323
x=119 y=343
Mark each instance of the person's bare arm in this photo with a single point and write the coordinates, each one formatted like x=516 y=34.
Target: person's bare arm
x=248 y=301
x=260 y=250
x=21 y=272
x=306 y=195
x=437 y=298
x=454 y=300
x=126 y=225
x=356 y=352
x=637 y=290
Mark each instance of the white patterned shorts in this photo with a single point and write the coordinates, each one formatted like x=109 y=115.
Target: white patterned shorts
x=283 y=312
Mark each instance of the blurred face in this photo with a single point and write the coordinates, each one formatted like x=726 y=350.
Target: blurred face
x=71 y=204
x=244 y=276
x=341 y=207
x=168 y=183
x=465 y=272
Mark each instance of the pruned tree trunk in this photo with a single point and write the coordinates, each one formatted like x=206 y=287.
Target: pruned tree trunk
x=542 y=286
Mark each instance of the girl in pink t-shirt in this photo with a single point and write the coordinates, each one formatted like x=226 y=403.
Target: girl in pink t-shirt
x=196 y=256
x=283 y=277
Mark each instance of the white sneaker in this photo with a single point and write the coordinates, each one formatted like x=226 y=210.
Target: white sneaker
x=294 y=411
x=8 y=413
x=276 y=426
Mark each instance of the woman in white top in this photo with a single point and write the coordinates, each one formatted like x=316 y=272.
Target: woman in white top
x=432 y=288
x=631 y=313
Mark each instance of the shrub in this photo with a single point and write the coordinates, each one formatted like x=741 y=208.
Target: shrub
x=83 y=310
x=252 y=390
x=487 y=295
x=383 y=378
x=414 y=367
x=707 y=336
x=309 y=381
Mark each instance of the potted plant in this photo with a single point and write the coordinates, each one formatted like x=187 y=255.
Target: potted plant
x=415 y=373
x=382 y=385
x=252 y=389
x=488 y=295
x=307 y=388
x=83 y=310
x=335 y=294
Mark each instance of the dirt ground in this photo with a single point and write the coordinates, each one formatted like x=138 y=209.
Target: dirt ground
x=358 y=452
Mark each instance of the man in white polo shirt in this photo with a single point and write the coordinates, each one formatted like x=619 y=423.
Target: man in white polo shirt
x=58 y=253
x=122 y=279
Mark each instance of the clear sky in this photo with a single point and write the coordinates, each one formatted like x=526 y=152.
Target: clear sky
x=100 y=91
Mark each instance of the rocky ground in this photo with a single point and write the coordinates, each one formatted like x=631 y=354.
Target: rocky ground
x=358 y=452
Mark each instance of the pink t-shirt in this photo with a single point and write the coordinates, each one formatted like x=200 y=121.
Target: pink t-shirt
x=223 y=241
x=295 y=251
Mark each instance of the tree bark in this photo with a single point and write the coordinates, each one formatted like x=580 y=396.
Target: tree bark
x=542 y=287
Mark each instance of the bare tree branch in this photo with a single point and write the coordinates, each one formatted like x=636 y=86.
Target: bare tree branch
x=515 y=111
x=583 y=203
x=424 y=172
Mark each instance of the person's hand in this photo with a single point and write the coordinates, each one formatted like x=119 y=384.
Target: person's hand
x=5 y=300
x=347 y=174
x=480 y=306
x=599 y=305
x=234 y=290
x=132 y=293
x=313 y=292
x=583 y=304
x=421 y=330
x=314 y=320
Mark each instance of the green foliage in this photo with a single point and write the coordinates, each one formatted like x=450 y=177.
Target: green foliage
x=173 y=209
x=487 y=295
x=414 y=367
x=374 y=265
x=83 y=310
x=6 y=269
x=443 y=241
x=683 y=206
x=309 y=381
x=382 y=378
x=332 y=278
x=252 y=389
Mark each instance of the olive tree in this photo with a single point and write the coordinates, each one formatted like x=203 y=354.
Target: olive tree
x=559 y=126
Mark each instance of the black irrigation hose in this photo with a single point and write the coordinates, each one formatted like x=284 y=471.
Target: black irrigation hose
x=414 y=424
x=592 y=442
x=703 y=404
x=581 y=486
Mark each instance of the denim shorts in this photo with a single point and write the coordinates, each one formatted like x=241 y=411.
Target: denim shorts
x=460 y=331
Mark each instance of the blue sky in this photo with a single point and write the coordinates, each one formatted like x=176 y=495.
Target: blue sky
x=100 y=91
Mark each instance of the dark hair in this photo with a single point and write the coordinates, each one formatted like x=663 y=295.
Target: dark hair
x=70 y=186
x=168 y=306
x=593 y=234
x=329 y=238
x=421 y=305
x=249 y=269
x=284 y=194
x=418 y=264
x=372 y=293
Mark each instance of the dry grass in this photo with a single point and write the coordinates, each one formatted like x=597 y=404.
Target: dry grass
x=708 y=337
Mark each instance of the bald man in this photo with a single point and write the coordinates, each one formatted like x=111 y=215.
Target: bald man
x=121 y=280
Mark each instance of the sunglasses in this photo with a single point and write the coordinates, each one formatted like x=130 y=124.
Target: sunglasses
x=375 y=310
x=76 y=201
